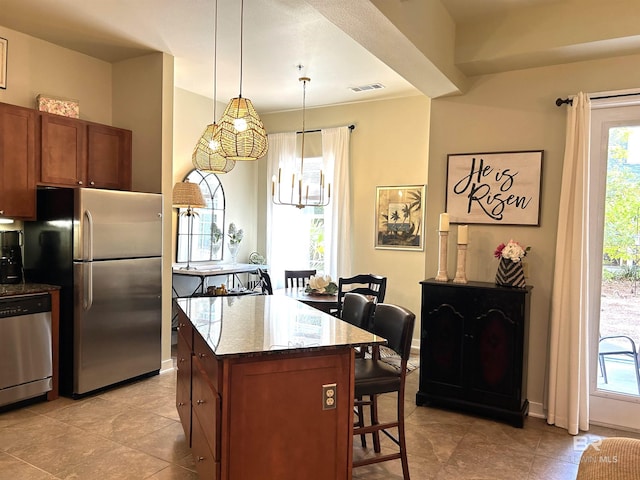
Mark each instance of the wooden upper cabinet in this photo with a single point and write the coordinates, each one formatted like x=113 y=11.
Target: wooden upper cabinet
x=17 y=162
x=109 y=157
x=63 y=157
x=84 y=154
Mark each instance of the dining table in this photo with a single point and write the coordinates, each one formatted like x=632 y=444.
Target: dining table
x=327 y=303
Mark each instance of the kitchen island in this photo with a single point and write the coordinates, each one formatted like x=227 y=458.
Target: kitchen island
x=265 y=387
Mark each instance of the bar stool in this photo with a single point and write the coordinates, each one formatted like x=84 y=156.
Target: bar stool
x=374 y=377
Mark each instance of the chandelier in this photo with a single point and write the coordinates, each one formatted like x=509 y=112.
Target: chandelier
x=207 y=153
x=308 y=189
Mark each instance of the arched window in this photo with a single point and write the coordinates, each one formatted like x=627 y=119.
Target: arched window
x=207 y=236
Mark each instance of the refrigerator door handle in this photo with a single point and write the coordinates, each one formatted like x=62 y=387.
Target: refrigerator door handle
x=88 y=287
x=88 y=237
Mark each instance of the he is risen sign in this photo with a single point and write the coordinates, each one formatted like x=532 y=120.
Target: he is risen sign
x=499 y=188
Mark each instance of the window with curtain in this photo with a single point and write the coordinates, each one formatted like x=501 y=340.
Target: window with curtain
x=206 y=237
x=301 y=232
x=311 y=237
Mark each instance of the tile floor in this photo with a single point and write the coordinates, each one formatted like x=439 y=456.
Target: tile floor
x=133 y=433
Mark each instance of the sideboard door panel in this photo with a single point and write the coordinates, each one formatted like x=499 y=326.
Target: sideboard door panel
x=443 y=356
x=492 y=352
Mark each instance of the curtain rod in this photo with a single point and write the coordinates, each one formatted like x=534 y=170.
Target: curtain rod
x=569 y=101
x=351 y=127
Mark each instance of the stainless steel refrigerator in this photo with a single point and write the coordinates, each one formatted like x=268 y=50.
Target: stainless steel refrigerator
x=104 y=248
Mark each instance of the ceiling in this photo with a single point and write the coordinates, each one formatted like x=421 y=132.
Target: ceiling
x=279 y=35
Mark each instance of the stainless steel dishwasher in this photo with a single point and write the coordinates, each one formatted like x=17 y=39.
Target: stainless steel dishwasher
x=25 y=347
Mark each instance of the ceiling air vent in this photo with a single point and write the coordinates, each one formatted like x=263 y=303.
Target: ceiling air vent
x=365 y=88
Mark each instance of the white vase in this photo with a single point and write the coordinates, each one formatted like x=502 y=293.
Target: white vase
x=215 y=249
x=233 y=250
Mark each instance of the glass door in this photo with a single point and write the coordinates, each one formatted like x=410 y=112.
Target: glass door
x=615 y=326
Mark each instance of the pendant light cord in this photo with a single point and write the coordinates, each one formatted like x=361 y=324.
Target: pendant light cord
x=241 y=37
x=215 y=55
x=304 y=103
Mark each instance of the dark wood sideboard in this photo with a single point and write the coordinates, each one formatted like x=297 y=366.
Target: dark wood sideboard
x=474 y=348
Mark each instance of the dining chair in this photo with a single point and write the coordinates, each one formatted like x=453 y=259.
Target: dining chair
x=366 y=284
x=265 y=281
x=297 y=278
x=608 y=348
x=374 y=377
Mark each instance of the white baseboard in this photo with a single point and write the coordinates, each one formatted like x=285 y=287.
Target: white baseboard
x=536 y=410
x=166 y=366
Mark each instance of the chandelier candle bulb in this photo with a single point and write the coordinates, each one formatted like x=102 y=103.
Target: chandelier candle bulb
x=444 y=222
x=463 y=234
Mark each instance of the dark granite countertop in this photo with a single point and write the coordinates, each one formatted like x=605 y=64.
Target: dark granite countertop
x=13 y=289
x=259 y=324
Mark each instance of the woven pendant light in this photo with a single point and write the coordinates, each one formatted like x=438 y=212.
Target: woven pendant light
x=240 y=133
x=206 y=154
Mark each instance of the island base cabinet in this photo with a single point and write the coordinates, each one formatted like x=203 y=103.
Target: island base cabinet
x=275 y=417
x=473 y=348
x=263 y=415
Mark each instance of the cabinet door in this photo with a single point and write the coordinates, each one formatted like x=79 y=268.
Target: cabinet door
x=17 y=162
x=63 y=150
x=442 y=366
x=495 y=351
x=109 y=157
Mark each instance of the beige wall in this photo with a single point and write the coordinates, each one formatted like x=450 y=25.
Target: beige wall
x=389 y=146
x=516 y=111
x=35 y=66
x=192 y=114
x=143 y=102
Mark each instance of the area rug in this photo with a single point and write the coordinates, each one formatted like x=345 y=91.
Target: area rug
x=390 y=357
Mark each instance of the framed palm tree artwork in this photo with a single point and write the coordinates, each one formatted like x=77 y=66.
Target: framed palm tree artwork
x=400 y=217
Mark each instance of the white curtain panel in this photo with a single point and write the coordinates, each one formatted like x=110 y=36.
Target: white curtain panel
x=568 y=389
x=335 y=150
x=282 y=153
